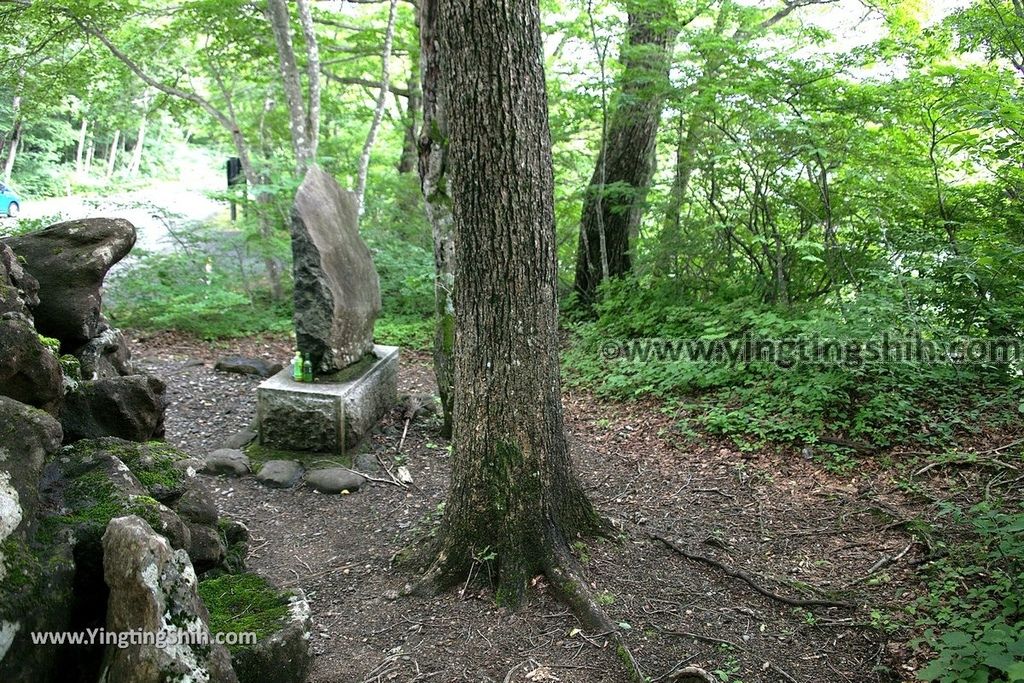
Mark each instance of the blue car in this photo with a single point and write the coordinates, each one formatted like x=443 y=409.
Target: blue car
x=10 y=202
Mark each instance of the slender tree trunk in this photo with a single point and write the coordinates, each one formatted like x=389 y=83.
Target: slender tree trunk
x=378 y=112
x=611 y=218
x=15 y=138
x=432 y=162
x=80 y=151
x=280 y=25
x=112 y=155
x=515 y=501
x=407 y=162
x=312 y=77
x=135 y=165
x=90 y=152
x=12 y=149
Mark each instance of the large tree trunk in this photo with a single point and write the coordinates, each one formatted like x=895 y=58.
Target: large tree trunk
x=514 y=501
x=625 y=164
x=432 y=160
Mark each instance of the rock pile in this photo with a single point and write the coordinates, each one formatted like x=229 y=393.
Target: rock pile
x=100 y=527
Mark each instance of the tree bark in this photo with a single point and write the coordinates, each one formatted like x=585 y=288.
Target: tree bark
x=410 y=152
x=89 y=153
x=611 y=217
x=312 y=77
x=280 y=25
x=432 y=161
x=514 y=501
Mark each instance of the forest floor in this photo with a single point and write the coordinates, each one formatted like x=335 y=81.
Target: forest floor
x=789 y=526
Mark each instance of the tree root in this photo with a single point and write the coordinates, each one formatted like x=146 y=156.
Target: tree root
x=566 y=578
x=746 y=578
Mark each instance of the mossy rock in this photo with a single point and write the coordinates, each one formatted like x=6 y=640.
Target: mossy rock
x=280 y=620
x=36 y=595
x=259 y=454
x=153 y=463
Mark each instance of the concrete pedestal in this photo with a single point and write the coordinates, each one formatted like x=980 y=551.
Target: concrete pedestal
x=327 y=416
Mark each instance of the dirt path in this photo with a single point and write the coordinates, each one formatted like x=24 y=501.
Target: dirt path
x=783 y=522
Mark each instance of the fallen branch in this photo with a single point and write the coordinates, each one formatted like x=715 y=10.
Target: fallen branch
x=885 y=561
x=746 y=578
x=703 y=639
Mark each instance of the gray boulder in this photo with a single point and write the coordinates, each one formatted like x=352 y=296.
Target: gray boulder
x=19 y=291
x=196 y=505
x=28 y=436
x=105 y=356
x=248 y=366
x=284 y=657
x=337 y=292
x=70 y=261
x=334 y=480
x=280 y=474
x=227 y=461
x=153 y=589
x=129 y=407
x=239 y=439
x=207 y=550
x=29 y=372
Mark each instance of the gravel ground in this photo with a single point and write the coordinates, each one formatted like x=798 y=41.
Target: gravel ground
x=781 y=522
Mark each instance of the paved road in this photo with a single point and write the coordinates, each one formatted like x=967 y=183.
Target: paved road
x=152 y=210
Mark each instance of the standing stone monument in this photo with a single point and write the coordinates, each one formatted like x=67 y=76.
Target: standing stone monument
x=337 y=300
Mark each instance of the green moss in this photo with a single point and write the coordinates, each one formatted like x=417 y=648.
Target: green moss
x=349 y=373
x=244 y=603
x=71 y=367
x=94 y=501
x=448 y=333
x=259 y=454
x=152 y=463
x=52 y=344
x=28 y=569
x=21 y=565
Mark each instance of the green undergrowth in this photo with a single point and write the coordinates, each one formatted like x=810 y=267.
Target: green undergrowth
x=972 y=615
x=244 y=603
x=756 y=402
x=228 y=295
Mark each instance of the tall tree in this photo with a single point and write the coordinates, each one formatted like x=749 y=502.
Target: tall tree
x=304 y=114
x=515 y=502
x=625 y=163
x=514 y=494
x=432 y=153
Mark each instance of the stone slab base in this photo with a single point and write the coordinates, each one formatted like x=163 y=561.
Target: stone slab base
x=326 y=417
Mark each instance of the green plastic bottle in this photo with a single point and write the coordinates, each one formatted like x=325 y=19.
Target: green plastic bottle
x=307 y=371
x=297 y=367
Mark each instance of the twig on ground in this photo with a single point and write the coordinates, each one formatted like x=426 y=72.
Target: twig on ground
x=704 y=639
x=884 y=561
x=746 y=578
x=782 y=672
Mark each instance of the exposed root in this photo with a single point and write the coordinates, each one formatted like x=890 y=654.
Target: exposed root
x=691 y=674
x=567 y=581
x=746 y=578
